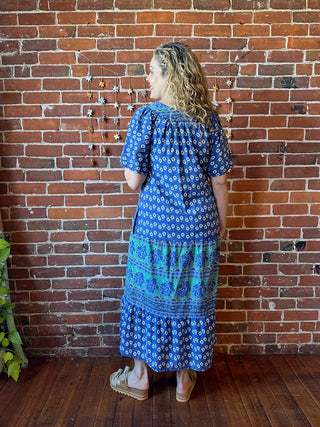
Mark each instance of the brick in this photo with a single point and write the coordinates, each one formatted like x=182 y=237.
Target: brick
x=36 y=18
x=77 y=44
x=272 y=17
x=115 y=44
x=26 y=188
x=306 y=16
x=134 y=30
x=53 y=70
x=74 y=18
x=179 y=4
x=292 y=209
x=23 y=111
x=289 y=30
x=13 y=5
x=66 y=188
x=250 y=30
x=66 y=213
x=43 y=175
x=286 y=134
x=63 y=84
x=11 y=85
x=212 y=31
x=229 y=43
x=18 y=32
x=103 y=212
x=268 y=43
x=288 y=4
x=249 y=4
x=8 y=19
x=97 y=5
x=41 y=124
x=98 y=31
x=41 y=97
x=286 y=56
x=107 y=17
x=9 y=46
x=57 y=58
x=147 y=17
x=133 y=4
x=62 y=111
x=232 y=17
x=276 y=70
x=83 y=200
x=305 y=43
x=57 y=5
x=98 y=57
x=314 y=30
x=254 y=82
x=57 y=32
x=129 y=56
x=21 y=58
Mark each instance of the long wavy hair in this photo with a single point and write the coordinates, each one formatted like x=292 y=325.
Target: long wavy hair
x=187 y=84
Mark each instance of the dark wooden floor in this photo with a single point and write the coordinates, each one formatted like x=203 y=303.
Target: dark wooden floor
x=237 y=391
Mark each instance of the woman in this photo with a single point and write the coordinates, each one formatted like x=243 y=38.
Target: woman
x=177 y=153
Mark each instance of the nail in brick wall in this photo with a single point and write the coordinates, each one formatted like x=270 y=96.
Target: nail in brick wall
x=67 y=210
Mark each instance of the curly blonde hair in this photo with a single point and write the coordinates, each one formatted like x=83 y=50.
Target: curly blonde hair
x=187 y=84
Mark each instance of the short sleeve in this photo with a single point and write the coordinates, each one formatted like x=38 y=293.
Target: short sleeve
x=220 y=159
x=135 y=154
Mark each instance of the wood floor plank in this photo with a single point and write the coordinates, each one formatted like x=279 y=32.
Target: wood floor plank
x=15 y=399
x=161 y=397
x=237 y=391
x=270 y=403
x=297 y=389
x=180 y=412
x=142 y=413
x=62 y=381
x=248 y=394
x=39 y=390
x=215 y=401
x=108 y=398
x=79 y=377
x=293 y=413
x=312 y=363
x=236 y=410
x=200 y=414
x=305 y=375
x=92 y=395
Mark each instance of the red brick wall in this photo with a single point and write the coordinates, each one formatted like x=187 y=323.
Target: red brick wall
x=69 y=220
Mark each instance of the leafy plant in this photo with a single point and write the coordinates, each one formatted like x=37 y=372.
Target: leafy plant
x=12 y=357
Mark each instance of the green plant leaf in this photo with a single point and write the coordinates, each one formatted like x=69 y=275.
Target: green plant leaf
x=4 y=253
x=5 y=342
x=4 y=250
x=15 y=374
x=14 y=337
x=7 y=356
x=13 y=369
x=4 y=244
x=10 y=306
x=1 y=336
x=3 y=290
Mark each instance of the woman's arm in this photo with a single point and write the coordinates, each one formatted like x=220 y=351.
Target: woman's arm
x=134 y=179
x=220 y=190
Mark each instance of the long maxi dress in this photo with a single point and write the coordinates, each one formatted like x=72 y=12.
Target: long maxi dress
x=167 y=310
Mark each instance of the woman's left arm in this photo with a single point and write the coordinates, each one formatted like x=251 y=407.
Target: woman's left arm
x=134 y=179
x=220 y=190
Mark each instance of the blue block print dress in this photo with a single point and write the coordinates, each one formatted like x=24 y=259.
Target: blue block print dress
x=167 y=310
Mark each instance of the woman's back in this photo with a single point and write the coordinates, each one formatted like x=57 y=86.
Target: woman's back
x=176 y=201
